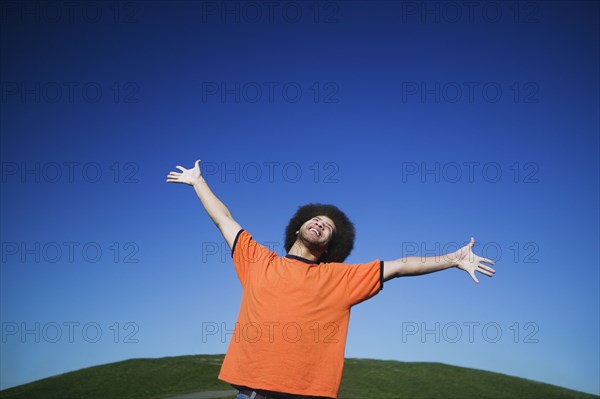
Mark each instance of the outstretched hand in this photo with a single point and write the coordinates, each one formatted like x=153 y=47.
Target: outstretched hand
x=187 y=176
x=466 y=260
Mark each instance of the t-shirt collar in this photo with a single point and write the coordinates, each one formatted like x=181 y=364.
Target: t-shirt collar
x=301 y=259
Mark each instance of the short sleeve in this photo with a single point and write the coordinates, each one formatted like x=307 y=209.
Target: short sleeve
x=364 y=281
x=246 y=254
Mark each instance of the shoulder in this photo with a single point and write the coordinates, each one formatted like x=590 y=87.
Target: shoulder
x=245 y=247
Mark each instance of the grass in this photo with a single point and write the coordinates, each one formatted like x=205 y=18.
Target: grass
x=363 y=379
x=381 y=379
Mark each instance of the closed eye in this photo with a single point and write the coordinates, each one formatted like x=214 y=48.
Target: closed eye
x=325 y=223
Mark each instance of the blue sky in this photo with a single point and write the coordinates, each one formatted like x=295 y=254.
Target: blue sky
x=426 y=122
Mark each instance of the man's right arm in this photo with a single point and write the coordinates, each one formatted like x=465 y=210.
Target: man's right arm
x=217 y=211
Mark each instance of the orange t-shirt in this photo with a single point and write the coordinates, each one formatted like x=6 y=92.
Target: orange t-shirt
x=291 y=330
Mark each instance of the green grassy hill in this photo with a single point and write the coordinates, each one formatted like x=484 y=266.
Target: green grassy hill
x=363 y=379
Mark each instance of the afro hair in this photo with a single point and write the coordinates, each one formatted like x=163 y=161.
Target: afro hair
x=342 y=241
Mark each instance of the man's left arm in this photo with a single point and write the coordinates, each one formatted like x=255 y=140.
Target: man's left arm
x=464 y=259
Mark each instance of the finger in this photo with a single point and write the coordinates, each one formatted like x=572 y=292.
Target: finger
x=181 y=168
x=488 y=261
x=472 y=274
x=174 y=174
x=197 y=162
x=472 y=242
x=487 y=273
x=489 y=269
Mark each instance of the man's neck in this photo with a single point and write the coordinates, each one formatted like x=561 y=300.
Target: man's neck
x=300 y=250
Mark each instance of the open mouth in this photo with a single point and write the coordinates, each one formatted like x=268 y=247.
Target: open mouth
x=317 y=232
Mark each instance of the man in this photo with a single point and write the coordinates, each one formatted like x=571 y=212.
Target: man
x=291 y=330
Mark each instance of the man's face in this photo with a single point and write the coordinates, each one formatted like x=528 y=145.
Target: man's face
x=317 y=232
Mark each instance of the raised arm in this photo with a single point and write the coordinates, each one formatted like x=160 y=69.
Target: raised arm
x=217 y=211
x=463 y=259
